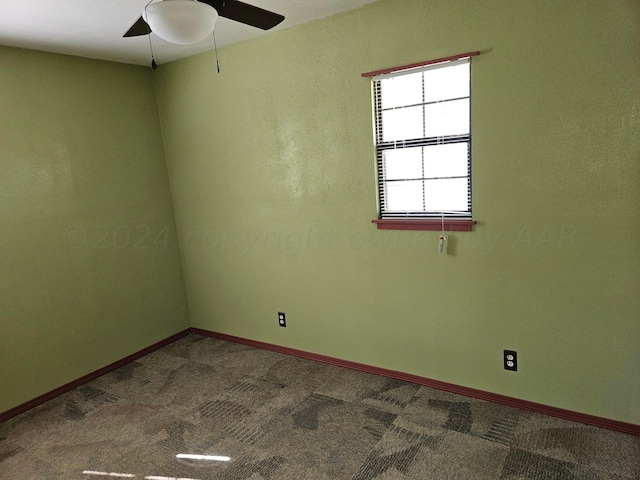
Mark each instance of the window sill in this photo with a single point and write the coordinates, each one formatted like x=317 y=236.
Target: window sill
x=434 y=225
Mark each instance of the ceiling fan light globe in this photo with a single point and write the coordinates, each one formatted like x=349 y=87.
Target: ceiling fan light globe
x=183 y=22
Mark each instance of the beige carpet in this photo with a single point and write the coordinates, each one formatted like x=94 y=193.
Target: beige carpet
x=282 y=417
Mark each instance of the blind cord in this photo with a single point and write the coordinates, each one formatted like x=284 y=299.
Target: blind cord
x=442 y=239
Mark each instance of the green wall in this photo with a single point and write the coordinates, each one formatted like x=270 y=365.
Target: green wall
x=90 y=269
x=272 y=170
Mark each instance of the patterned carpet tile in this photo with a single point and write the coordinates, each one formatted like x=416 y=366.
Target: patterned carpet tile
x=460 y=456
x=596 y=449
x=397 y=451
x=352 y=386
x=328 y=435
x=525 y=465
x=280 y=417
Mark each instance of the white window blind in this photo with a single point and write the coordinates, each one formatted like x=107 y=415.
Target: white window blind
x=423 y=140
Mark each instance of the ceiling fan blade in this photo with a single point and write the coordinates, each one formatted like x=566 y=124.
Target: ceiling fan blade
x=231 y=9
x=245 y=13
x=139 y=28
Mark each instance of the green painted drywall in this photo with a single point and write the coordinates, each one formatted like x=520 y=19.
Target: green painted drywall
x=273 y=173
x=90 y=270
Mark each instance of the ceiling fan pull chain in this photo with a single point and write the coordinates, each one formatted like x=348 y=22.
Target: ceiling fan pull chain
x=154 y=65
x=215 y=47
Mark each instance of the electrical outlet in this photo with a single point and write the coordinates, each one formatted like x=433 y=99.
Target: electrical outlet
x=510 y=360
x=282 y=320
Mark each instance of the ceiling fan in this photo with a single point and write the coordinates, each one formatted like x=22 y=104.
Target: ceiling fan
x=231 y=9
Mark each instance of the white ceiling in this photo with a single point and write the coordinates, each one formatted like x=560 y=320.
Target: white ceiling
x=94 y=28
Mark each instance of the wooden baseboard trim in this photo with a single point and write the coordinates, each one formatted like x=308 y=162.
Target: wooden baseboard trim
x=89 y=377
x=584 y=418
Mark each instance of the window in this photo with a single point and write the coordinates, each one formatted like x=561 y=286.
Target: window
x=423 y=144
